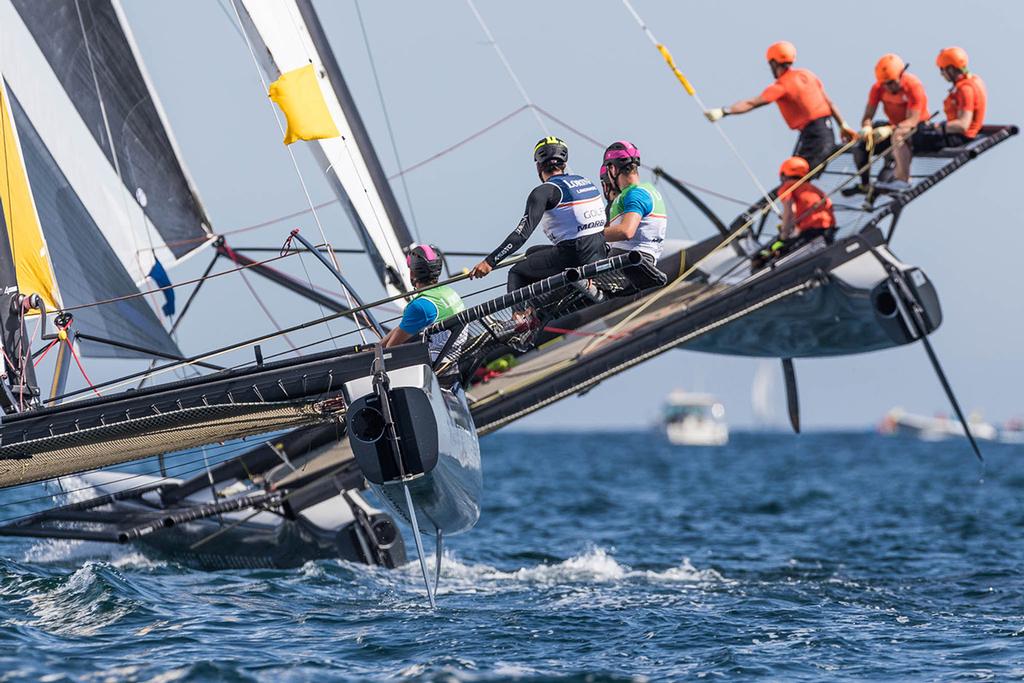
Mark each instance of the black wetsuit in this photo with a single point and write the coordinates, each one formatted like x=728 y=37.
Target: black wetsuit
x=549 y=259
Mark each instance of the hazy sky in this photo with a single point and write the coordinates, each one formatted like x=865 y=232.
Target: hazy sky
x=590 y=65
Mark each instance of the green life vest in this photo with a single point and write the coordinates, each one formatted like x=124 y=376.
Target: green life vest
x=448 y=303
x=446 y=299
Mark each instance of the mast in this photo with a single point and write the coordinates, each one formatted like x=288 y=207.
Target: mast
x=288 y=35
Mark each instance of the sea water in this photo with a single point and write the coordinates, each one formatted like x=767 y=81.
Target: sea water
x=598 y=557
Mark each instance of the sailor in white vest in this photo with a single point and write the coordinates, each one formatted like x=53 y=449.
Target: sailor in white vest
x=567 y=207
x=637 y=219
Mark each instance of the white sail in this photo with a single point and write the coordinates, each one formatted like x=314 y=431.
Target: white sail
x=287 y=35
x=761 y=393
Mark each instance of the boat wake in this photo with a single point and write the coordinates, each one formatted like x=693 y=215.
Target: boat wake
x=594 y=566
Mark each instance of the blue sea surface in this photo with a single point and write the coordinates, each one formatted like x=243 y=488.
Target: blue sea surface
x=598 y=557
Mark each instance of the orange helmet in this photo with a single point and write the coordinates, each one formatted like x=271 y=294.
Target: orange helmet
x=952 y=56
x=794 y=167
x=782 y=52
x=889 y=68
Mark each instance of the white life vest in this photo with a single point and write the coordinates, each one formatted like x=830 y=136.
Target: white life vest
x=580 y=211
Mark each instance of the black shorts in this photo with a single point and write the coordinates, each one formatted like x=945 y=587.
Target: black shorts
x=545 y=260
x=927 y=138
x=816 y=141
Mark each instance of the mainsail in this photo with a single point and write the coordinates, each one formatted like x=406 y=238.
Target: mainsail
x=287 y=35
x=108 y=188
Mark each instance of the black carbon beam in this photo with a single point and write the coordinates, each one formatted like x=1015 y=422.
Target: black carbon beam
x=792 y=398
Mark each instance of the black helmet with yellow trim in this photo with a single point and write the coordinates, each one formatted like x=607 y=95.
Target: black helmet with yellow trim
x=550 y=152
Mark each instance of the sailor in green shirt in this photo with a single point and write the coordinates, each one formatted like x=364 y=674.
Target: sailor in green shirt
x=431 y=306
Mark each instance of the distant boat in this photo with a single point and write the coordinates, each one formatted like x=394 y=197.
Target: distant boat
x=1012 y=431
x=694 y=420
x=938 y=428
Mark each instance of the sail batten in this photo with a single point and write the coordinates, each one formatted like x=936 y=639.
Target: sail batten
x=288 y=35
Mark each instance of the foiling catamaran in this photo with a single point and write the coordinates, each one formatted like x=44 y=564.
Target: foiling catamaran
x=317 y=429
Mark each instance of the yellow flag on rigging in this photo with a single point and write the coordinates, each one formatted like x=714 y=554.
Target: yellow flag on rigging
x=298 y=94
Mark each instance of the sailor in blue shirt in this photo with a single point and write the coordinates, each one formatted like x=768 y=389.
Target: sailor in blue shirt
x=431 y=306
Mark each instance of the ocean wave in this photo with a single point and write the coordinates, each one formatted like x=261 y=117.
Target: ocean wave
x=82 y=603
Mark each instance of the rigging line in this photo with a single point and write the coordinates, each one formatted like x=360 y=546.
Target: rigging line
x=188 y=362
x=78 y=362
x=387 y=118
x=508 y=67
x=376 y=217
x=345 y=141
x=721 y=245
x=277 y=118
x=254 y=226
x=742 y=202
x=359 y=328
x=185 y=283
x=460 y=143
x=700 y=103
x=259 y=301
x=333 y=338
x=341 y=335
x=266 y=311
x=110 y=137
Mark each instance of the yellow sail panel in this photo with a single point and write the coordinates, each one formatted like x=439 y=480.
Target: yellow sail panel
x=35 y=274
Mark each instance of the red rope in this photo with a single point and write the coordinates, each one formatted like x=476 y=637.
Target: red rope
x=42 y=355
x=580 y=333
x=78 y=362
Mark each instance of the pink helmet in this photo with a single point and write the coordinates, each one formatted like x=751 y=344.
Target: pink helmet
x=425 y=262
x=621 y=154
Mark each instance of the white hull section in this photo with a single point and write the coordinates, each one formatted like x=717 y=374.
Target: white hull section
x=697 y=432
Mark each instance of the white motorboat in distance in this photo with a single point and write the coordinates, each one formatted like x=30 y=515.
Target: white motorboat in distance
x=939 y=428
x=694 y=420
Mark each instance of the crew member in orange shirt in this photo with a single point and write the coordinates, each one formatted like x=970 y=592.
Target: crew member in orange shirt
x=964 y=106
x=806 y=213
x=802 y=101
x=905 y=105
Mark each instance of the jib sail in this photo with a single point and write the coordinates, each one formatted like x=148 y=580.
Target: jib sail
x=109 y=193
